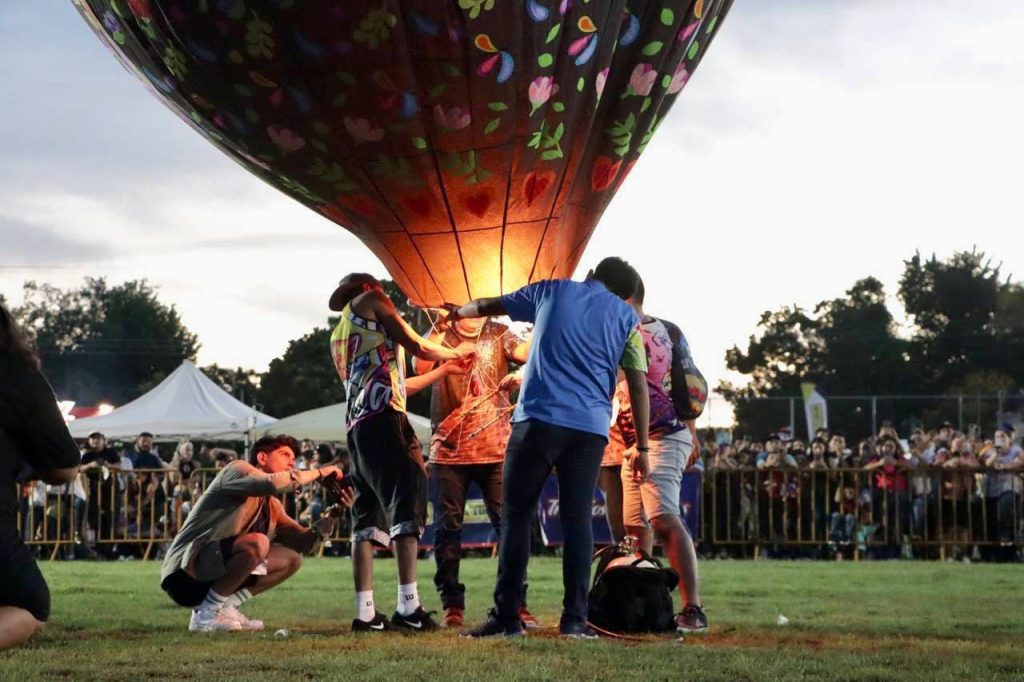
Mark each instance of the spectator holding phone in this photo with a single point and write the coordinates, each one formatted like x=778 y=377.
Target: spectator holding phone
x=238 y=541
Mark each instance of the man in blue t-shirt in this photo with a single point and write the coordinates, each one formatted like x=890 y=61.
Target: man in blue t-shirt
x=584 y=332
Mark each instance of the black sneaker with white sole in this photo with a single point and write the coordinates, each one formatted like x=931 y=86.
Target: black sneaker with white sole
x=495 y=627
x=576 y=630
x=692 y=621
x=379 y=623
x=417 y=621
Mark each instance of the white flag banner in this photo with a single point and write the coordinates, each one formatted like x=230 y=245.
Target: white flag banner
x=815 y=409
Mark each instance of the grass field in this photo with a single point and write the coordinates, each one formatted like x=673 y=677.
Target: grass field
x=885 y=620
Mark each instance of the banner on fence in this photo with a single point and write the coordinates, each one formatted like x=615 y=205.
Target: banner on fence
x=551 y=523
x=815 y=409
x=477 y=530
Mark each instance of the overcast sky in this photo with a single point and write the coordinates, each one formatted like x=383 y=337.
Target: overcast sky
x=819 y=142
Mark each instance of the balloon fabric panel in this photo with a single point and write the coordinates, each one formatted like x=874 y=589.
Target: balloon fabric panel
x=472 y=145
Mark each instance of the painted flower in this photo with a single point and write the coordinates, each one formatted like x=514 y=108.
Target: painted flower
x=110 y=22
x=286 y=140
x=141 y=9
x=362 y=129
x=602 y=78
x=679 y=79
x=455 y=118
x=642 y=79
x=541 y=90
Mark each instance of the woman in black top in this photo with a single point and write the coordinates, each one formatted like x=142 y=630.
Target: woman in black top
x=34 y=444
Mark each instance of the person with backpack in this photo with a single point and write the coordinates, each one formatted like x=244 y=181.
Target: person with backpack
x=584 y=332
x=651 y=479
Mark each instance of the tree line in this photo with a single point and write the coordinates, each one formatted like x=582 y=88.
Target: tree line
x=961 y=332
x=103 y=342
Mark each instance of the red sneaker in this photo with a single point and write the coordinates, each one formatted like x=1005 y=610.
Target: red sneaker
x=528 y=620
x=453 y=617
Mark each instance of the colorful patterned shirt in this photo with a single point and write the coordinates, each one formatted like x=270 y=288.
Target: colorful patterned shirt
x=371 y=366
x=470 y=416
x=662 y=355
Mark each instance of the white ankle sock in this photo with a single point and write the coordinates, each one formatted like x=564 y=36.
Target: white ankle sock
x=240 y=597
x=408 y=599
x=365 y=608
x=214 y=602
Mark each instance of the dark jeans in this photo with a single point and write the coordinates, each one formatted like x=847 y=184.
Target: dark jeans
x=534 y=449
x=452 y=487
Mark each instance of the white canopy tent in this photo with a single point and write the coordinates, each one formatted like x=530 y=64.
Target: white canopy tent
x=187 y=404
x=328 y=424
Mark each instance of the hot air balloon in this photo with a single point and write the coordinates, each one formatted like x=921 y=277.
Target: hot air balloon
x=472 y=145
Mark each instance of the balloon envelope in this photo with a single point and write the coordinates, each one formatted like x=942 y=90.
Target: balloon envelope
x=472 y=145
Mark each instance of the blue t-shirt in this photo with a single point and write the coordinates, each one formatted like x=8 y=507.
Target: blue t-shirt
x=582 y=334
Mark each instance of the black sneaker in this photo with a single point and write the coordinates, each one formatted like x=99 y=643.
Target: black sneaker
x=692 y=621
x=494 y=627
x=379 y=623
x=576 y=631
x=417 y=621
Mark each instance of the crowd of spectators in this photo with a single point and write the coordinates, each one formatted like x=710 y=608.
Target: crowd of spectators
x=127 y=492
x=883 y=497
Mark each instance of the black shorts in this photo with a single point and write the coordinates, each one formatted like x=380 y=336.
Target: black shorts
x=184 y=590
x=389 y=479
x=21 y=583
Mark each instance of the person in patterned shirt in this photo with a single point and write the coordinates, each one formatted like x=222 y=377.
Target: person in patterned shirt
x=470 y=414
x=652 y=479
x=584 y=332
x=388 y=473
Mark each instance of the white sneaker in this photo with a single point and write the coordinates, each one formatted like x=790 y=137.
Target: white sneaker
x=247 y=623
x=206 y=620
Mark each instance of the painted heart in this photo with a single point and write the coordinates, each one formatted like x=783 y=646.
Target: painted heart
x=418 y=204
x=360 y=204
x=477 y=202
x=603 y=173
x=536 y=184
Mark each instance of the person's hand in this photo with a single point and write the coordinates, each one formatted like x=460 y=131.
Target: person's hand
x=511 y=382
x=456 y=367
x=451 y=317
x=638 y=463
x=346 y=497
x=328 y=470
x=465 y=351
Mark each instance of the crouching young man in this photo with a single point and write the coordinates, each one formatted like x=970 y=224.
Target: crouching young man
x=238 y=541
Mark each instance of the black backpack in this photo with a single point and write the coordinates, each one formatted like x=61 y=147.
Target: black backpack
x=627 y=597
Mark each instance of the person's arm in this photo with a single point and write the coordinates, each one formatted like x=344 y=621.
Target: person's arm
x=243 y=479
x=383 y=310
x=414 y=385
x=37 y=427
x=422 y=365
x=640 y=400
x=481 y=307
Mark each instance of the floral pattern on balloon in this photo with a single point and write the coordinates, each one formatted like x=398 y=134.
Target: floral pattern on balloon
x=472 y=145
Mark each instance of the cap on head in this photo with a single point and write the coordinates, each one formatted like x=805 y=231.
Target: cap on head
x=349 y=287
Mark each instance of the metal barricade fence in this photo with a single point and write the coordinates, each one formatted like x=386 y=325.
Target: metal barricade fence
x=926 y=512
x=132 y=511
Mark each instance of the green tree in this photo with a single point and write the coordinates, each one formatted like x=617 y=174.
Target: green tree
x=105 y=343
x=242 y=383
x=966 y=336
x=304 y=377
